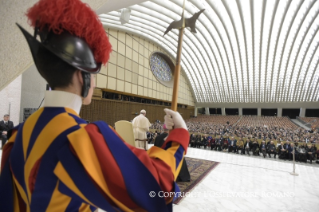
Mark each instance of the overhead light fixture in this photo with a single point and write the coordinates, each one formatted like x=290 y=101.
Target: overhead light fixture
x=125 y=16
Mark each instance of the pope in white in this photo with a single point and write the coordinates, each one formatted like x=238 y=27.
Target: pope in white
x=141 y=125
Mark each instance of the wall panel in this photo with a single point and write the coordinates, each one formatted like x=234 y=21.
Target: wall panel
x=113 y=58
x=128 y=87
x=128 y=76
x=101 y=80
x=120 y=85
x=112 y=70
x=134 y=78
x=121 y=61
x=134 y=89
x=121 y=48
x=113 y=42
x=130 y=58
x=103 y=70
x=111 y=83
x=112 y=111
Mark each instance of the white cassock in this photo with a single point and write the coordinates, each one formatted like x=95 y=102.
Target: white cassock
x=141 y=125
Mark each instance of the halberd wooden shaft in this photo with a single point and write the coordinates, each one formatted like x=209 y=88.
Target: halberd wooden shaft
x=181 y=25
x=177 y=70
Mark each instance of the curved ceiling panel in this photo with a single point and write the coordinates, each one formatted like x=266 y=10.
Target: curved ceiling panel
x=243 y=51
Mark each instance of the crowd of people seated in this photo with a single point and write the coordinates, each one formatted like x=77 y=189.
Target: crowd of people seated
x=272 y=128
x=151 y=136
x=158 y=125
x=214 y=124
x=252 y=135
x=267 y=121
x=251 y=146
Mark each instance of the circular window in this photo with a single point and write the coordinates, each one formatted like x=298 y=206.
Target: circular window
x=161 y=67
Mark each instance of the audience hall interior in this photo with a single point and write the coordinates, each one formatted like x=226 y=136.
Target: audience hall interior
x=245 y=53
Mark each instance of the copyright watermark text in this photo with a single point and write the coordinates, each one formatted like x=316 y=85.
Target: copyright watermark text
x=221 y=194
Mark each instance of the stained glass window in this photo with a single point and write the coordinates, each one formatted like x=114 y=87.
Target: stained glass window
x=160 y=68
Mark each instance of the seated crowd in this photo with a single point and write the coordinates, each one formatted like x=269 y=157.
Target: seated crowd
x=250 y=145
x=272 y=128
x=252 y=135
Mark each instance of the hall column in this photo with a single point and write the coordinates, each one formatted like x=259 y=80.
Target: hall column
x=279 y=112
x=223 y=111
x=259 y=111
x=207 y=111
x=195 y=111
x=240 y=111
x=302 y=112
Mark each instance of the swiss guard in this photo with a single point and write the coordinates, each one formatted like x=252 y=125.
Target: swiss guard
x=55 y=161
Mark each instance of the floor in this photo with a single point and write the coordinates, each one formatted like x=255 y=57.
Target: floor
x=251 y=183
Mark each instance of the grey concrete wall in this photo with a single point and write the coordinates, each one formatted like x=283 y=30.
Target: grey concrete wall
x=32 y=90
x=10 y=98
x=15 y=55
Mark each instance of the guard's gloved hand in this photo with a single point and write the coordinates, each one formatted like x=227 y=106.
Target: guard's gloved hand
x=174 y=120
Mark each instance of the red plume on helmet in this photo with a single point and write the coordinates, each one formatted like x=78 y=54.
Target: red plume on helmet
x=75 y=17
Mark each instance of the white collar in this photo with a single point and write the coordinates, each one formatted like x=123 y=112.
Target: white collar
x=62 y=99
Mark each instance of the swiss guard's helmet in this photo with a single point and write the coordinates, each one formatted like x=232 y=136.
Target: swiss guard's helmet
x=70 y=30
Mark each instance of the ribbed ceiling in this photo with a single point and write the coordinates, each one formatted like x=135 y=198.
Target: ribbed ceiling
x=243 y=51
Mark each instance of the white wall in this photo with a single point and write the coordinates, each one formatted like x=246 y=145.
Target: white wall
x=26 y=91
x=11 y=95
x=32 y=89
x=15 y=54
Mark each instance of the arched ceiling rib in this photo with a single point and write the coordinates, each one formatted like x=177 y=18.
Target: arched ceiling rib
x=244 y=51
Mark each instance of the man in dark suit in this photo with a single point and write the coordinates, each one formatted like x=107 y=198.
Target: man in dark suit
x=199 y=141
x=248 y=145
x=263 y=148
x=282 y=151
x=255 y=147
x=232 y=145
x=310 y=152
x=272 y=149
x=212 y=143
x=159 y=140
x=192 y=140
x=5 y=126
x=204 y=142
x=302 y=156
x=225 y=144
x=218 y=143
x=291 y=148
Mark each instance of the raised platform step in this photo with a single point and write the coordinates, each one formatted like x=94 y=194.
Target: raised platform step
x=297 y=122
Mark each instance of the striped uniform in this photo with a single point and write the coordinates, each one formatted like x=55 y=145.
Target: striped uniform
x=56 y=162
